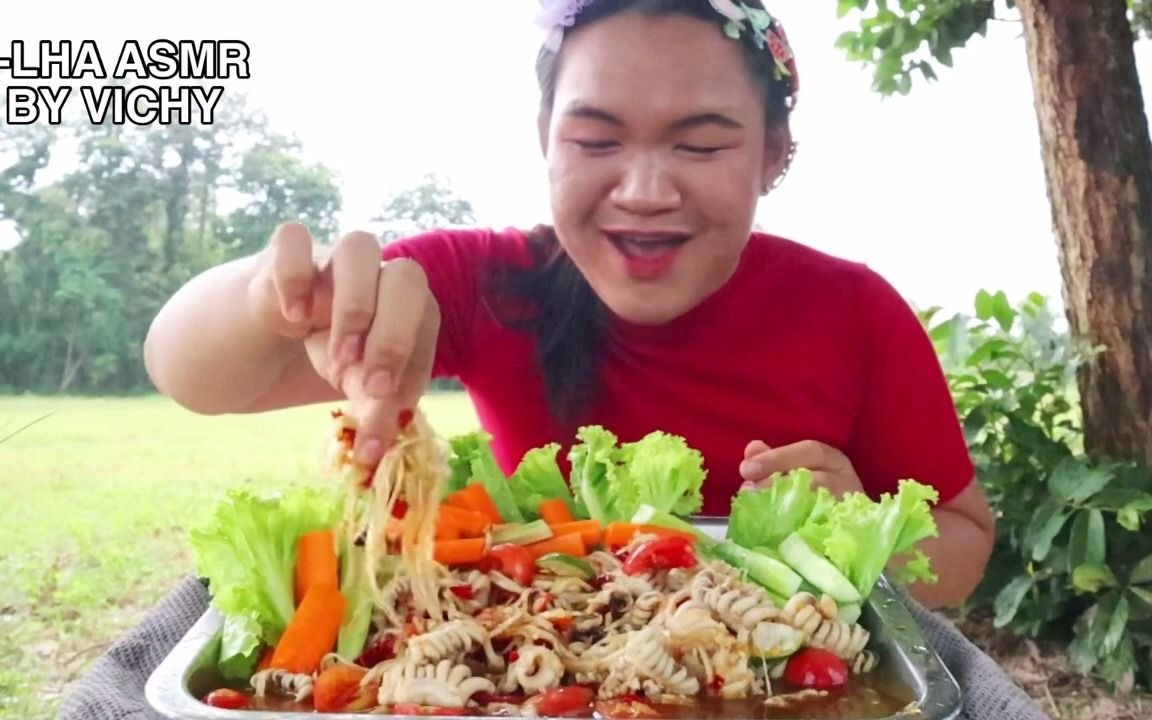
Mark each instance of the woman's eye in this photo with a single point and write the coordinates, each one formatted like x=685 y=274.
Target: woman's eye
x=701 y=149
x=595 y=145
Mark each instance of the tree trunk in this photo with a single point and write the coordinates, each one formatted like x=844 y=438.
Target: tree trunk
x=1098 y=166
x=73 y=361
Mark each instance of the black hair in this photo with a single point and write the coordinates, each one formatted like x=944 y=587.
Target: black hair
x=567 y=318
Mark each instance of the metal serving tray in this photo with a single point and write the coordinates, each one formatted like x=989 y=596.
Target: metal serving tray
x=188 y=672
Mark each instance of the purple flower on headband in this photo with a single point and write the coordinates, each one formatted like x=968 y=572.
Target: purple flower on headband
x=555 y=15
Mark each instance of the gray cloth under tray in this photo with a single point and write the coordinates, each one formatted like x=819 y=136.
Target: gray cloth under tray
x=113 y=689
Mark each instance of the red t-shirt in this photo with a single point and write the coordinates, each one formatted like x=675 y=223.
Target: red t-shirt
x=798 y=345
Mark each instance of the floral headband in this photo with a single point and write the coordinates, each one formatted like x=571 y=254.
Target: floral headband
x=765 y=30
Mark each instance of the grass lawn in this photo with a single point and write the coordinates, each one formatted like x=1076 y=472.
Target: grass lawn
x=95 y=503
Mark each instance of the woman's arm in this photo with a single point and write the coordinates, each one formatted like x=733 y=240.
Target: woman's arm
x=960 y=553
x=209 y=352
x=234 y=338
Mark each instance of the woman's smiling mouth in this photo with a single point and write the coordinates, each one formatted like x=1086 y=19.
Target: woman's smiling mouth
x=648 y=255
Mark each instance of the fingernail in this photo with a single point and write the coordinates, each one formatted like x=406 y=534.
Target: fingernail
x=751 y=467
x=371 y=451
x=378 y=384
x=405 y=418
x=349 y=351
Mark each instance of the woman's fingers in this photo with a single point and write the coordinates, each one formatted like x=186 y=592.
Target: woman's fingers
x=403 y=302
x=355 y=271
x=398 y=359
x=830 y=468
x=395 y=347
x=293 y=272
x=805 y=454
x=755 y=448
x=282 y=291
x=819 y=479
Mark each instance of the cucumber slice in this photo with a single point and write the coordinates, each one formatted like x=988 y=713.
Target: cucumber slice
x=566 y=565
x=817 y=570
x=525 y=534
x=776 y=577
x=848 y=613
x=648 y=515
x=765 y=550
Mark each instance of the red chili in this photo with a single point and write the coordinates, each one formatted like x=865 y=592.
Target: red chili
x=379 y=651
x=464 y=592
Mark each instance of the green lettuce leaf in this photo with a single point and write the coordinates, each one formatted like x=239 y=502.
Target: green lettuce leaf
x=613 y=481
x=764 y=517
x=473 y=461
x=664 y=473
x=538 y=478
x=240 y=643
x=247 y=552
x=860 y=536
x=597 y=481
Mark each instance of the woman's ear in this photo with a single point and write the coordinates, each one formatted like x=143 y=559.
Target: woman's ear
x=778 y=149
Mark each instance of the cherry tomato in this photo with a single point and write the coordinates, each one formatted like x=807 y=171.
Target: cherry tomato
x=624 y=707
x=337 y=689
x=560 y=701
x=816 y=668
x=227 y=699
x=660 y=554
x=415 y=709
x=515 y=562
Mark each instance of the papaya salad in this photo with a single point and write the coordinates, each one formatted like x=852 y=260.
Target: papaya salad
x=436 y=584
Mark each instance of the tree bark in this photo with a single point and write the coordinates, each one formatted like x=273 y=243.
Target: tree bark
x=1098 y=165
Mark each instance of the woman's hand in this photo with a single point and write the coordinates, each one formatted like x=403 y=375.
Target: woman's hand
x=830 y=467
x=370 y=328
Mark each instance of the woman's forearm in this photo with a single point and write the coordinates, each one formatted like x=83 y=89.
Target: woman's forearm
x=208 y=352
x=959 y=555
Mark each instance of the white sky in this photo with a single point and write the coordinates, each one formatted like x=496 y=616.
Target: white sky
x=942 y=192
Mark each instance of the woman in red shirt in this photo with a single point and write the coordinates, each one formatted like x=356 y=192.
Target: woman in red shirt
x=648 y=304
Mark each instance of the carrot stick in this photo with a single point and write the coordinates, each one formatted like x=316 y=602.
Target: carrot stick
x=316 y=562
x=555 y=512
x=590 y=530
x=265 y=661
x=570 y=544
x=475 y=497
x=312 y=631
x=459 y=552
x=446 y=531
x=619 y=534
x=468 y=523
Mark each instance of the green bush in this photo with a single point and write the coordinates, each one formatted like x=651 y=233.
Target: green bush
x=1071 y=561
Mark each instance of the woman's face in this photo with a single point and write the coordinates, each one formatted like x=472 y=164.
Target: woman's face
x=656 y=153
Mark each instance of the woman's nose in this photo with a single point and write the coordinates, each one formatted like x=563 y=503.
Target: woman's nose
x=646 y=188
